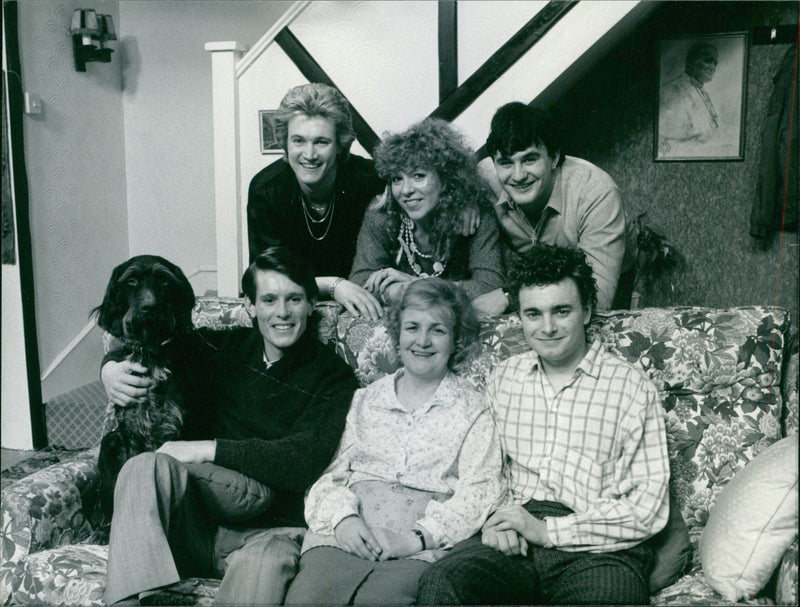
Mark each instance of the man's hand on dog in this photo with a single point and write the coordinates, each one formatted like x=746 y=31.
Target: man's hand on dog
x=125 y=382
x=190 y=451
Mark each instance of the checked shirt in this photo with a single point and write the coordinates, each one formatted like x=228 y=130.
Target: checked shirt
x=597 y=446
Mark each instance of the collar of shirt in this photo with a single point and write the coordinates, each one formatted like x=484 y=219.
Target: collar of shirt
x=446 y=394
x=590 y=364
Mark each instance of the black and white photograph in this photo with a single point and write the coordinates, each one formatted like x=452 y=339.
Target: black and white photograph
x=399 y=302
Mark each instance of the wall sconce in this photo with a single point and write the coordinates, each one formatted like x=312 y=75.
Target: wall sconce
x=90 y=32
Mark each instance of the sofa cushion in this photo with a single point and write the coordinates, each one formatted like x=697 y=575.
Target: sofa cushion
x=786 y=585
x=231 y=496
x=718 y=371
x=72 y=575
x=753 y=522
x=673 y=550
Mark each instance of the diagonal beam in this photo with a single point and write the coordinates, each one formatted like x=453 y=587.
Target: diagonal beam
x=448 y=48
x=314 y=73
x=502 y=59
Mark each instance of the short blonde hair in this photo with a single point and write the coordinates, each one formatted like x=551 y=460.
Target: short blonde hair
x=316 y=99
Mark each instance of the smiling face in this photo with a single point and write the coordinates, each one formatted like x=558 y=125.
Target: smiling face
x=312 y=152
x=282 y=310
x=703 y=65
x=553 y=321
x=527 y=176
x=417 y=192
x=426 y=341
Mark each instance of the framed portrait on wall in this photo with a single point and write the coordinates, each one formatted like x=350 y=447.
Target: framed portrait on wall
x=702 y=83
x=268 y=142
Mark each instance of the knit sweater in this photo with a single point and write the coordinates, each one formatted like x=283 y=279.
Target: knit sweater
x=278 y=425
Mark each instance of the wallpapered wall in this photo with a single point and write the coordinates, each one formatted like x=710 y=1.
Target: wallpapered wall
x=702 y=207
x=76 y=177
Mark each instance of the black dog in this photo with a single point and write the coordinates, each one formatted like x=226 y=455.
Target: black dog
x=147 y=307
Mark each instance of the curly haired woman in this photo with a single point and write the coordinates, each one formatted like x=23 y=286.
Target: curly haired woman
x=412 y=230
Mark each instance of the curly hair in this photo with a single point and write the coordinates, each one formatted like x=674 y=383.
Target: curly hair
x=426 y=293
x=316 y=99
x=516 y=127
x=548 y=264
x=433 y=144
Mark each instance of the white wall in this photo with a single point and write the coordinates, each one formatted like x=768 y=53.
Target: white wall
x=168 y=122
x=76 y=180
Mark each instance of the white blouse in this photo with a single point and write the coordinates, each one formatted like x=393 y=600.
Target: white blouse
x=449 y=447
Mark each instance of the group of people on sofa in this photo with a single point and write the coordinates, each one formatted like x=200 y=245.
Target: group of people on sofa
x=416 y=488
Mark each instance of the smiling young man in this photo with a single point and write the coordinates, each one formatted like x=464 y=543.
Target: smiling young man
x=586 y=460
x=544 y=196
x=267 y=404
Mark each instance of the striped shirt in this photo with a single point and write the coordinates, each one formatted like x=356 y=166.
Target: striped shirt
x=597 y=446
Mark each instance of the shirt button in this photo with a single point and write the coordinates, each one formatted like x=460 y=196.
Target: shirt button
x=400 y=475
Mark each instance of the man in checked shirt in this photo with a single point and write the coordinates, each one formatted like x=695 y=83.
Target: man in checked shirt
x=585 y=457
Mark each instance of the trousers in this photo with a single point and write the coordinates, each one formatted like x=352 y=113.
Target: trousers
x=476 y=574
x=161 y=532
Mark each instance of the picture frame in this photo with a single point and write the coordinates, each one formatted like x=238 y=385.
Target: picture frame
x=269 y=144
x=701 y=97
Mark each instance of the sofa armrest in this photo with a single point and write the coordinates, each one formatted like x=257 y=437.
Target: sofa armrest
x=52 y=507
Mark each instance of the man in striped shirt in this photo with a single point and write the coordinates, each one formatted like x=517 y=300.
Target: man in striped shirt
x=585 y=457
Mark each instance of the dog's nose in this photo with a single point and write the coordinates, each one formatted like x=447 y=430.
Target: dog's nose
x=147 y=300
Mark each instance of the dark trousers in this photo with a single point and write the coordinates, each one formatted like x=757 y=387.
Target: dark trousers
x=474 y=574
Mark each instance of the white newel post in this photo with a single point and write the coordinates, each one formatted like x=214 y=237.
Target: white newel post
x=227 y=197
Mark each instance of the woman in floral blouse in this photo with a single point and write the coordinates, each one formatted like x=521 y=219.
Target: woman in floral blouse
x=417 y=470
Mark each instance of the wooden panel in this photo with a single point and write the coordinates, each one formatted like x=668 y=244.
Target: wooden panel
x=448 y=48
x=503 y=59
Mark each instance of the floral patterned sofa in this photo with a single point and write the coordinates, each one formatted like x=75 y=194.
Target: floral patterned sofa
x=720 y=372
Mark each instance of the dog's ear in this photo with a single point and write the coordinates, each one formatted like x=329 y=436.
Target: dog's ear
x=110 y=312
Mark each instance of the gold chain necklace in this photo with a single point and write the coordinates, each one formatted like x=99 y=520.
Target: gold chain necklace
x=326 y=217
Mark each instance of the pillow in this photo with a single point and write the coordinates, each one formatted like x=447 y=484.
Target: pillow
x=672 y=548
x=752 y=523
x=230 y=495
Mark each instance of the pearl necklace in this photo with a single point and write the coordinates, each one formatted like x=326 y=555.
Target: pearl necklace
x=327 y=216
x=409 y=246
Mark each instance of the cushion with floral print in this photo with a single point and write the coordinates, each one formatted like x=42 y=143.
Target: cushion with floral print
x=76 y=576
x=229 y=312
x=786 y=587
x=791 y=379
x=719 y=373
x=52 y=507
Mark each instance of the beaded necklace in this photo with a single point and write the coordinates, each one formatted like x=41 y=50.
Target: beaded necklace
x=409 y=246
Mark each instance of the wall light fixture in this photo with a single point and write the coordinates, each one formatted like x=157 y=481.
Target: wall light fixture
x=90 y=31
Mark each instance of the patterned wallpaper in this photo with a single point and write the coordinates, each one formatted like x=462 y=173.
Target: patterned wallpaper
x=702 y=207
x=76 y=174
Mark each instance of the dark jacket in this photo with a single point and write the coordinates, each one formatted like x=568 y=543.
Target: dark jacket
x=275 y=214
x=776 y=199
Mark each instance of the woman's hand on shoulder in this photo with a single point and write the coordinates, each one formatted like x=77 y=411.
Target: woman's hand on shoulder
x=397 y=545
x=357 y=301
x=354 y=536
x=124 y=382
